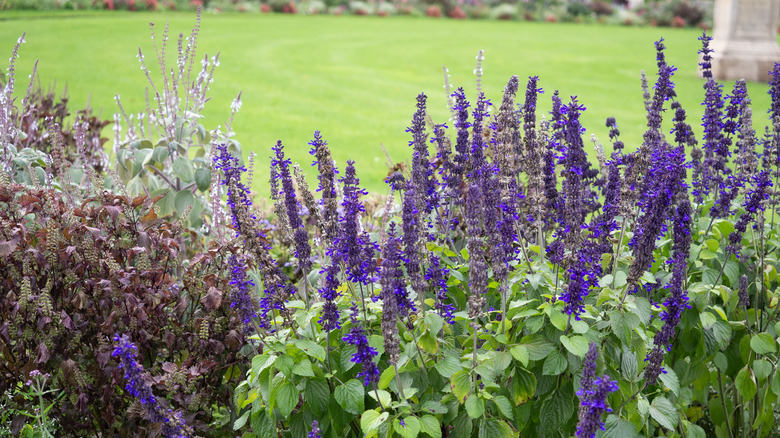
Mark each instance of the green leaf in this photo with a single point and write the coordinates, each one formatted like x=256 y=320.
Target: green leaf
x=410 y=428
x=350 y=396
x=620 y=279
x=707 y=320
x=241 y=421
x=494 y=428
x=386 y=377
x=559 y=319
x=261 y=362
x=135 y=187
x=462 y=425
x=556 y=410
x=311 y=348
x=763 y=343
x=670 y=380
x=577 y=345
x=303 y=368
x=628 y=365
x=434 y=407
x=428 y=343
x=203 y=178
x=286 y=398
x=285 y=365
x=262 y=424
x=371 y=420
x=447 y=367
x=504 y=406
x=317 y=396
x=182 y=168
x=384 y=397
x=662 y=411
x=616 y=427
x=538 y=346
x=347 y=352
x=475 y=406
x=434 y=321
x=523 y=386
x=430 y=426
x=554 y=364
x=746 y=383
x=182 y=200
x=695 y=431
x=520 y=353
x=762 y=368
x=460 y=383
x=722 y=332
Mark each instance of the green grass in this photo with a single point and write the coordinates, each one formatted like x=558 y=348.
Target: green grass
x=356 y=78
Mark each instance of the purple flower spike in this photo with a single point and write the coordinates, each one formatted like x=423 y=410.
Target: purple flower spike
x=315 y=430
x=593 y=405
x=240 y=298
x=365 y=354
x=139 y=388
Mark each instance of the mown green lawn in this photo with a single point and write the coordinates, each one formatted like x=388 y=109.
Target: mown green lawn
x=356 y=78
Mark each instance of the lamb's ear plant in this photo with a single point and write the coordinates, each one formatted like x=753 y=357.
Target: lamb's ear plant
x=513 y=286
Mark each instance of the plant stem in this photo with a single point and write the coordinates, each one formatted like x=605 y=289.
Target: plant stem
x=398 y=382
x=617 y=252
x=723 y=402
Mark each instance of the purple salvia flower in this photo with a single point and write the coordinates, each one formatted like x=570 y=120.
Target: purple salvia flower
x=480 y=114
x=351 y=246
x=529 y=116
x=614 y=135
x=422 y=171
x=437 y=278
x=327 y=184
x=575 y=166
x=315 y=430
x=744 y=298
x=552 y=215
x=238 y=195
x=329 y=318
x=138 y=387
x=589 y=366
x=240 y=298
x=461 y=158
x=677 y=300
x=754 y=202
x=300 y=236
x=715 y=143
x=478 y=275
x=365 y=354
x=395 y=302
x=411 y=237
x=581 y=278
x=593 y=405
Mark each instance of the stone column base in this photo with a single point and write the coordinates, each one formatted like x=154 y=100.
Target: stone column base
x=747 y=60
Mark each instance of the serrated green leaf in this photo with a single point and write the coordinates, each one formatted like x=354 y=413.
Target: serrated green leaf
x=285 y=365
x=763 y=343
x=261 y=362
x=371 y=420
x=707 y=320
x=262 y=424
x=317 y=396
x=538 y=346
x=670 y=380
x=615 y=427
x=628 y=365
x=520 y=353
x=662 y=411
x=559 y=319
x=434 y=407
x=386 y=377
x=745 y=383
x=434 y=322
x=285 y=397
x=351 y=396
x=475 y=406
x=494 y=428
x=762 y=368
x=183 y=169
x=430 y=426
x=554 y=364
x=620 y=279
x=504 y=406
x=523 y=386
x=460 y=383
x=449 y=366
x=311 y=348
x=576 y=345
x=556 y=409
x=241 y=421
x=428 y=343
x=410 y=427
x=303 y=368
x=384 y=397
x=695 y=431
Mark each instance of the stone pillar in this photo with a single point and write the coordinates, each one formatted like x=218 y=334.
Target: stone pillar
x=745 y=39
